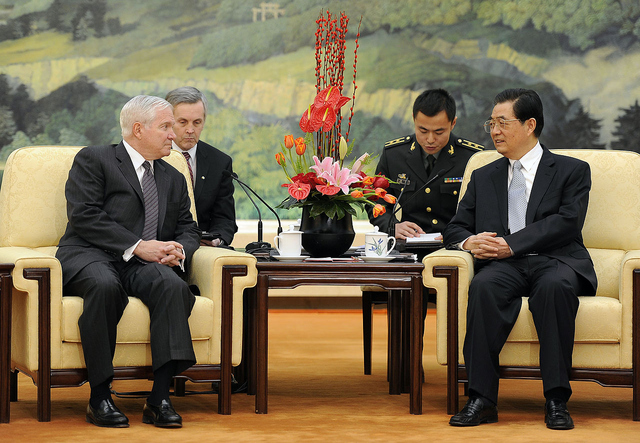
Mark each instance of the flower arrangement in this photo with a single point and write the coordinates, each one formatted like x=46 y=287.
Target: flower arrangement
x=316 y=176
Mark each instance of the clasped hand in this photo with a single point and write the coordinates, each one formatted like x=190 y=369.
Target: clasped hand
x=164 y=252
x=487 y=246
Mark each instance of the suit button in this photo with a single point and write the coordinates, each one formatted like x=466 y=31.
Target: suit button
x=428 y=190
x=428 y=209
x=455 y=192
x=434 y=221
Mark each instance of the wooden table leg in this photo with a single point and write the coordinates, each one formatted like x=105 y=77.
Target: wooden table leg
x=262 y=343
x=395 y=342
x=406 y=339
x=6 y=285
x=251 y=299
x=415 y=401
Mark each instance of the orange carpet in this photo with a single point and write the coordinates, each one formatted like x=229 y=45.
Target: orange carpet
x=317 y=392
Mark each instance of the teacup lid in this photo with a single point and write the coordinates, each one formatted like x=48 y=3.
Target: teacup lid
x=376 y=230
x=292 y=230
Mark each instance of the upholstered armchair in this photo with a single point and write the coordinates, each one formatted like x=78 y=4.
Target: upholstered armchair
x=606 y=340
x=45 y=338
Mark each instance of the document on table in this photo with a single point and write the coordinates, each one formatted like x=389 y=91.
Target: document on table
x=425 y=238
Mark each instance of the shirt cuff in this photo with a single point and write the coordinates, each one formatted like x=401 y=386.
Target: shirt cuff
x=128 y=253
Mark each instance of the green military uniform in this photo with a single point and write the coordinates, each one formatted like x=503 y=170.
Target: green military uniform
x=433 y=208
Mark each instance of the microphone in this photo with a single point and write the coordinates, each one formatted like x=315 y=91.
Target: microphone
x=391 y=228
x=431 y=180
x=245 y=187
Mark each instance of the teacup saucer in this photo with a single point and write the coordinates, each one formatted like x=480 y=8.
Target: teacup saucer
x=378 y=259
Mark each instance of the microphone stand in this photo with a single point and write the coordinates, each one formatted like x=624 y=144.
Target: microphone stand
x=260 y=245
x=396 y=207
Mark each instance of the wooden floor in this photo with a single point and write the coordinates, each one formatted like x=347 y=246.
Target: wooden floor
x=318 y=392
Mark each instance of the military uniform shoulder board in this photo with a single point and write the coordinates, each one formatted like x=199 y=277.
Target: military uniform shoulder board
x=397 y=141
x=470 y=145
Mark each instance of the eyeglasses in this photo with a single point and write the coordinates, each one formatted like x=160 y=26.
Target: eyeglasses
x=502 y=123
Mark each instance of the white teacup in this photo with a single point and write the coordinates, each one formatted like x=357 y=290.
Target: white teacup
x=377 y=244
x=289 y=243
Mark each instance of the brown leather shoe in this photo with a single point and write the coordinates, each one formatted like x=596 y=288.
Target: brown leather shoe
x=106 y=415
x=163 y=416
x=556 y=415
x=475 y=412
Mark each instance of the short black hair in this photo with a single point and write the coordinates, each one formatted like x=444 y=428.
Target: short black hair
x=434 y=101
x=526 y=104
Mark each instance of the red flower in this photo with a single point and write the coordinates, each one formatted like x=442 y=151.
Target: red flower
x=378 y=210
x=381 y=192
x=381 y=182
x=308 y=178
x=298 y=190
x=357 y=194
x=389 y=198
x=328 y=189
x=280 y=158
x=288 y=141
x=300 y=146
x=324 y=110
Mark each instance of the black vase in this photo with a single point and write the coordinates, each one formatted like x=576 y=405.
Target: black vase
x=326 y=237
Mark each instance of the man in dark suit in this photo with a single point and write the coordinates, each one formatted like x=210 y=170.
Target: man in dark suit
x=130 y=232
x=521 y=218
x=213 y=191
x=412 y=160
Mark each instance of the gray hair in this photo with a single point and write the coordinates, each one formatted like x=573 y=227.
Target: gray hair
x=142 y=109
x=187 y=94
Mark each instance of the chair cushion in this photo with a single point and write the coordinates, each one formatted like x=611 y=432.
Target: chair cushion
x=599 y=320
x=134 y=325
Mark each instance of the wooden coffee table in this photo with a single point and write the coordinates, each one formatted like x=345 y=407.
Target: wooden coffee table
x=395 y=277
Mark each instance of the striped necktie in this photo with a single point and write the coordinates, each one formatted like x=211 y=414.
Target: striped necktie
x=187 y=157
x=150 y=194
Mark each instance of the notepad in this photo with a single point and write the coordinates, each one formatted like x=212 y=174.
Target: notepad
x=425 y=238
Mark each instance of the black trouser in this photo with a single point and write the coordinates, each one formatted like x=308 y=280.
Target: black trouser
x=495 y=299
x=104 y=287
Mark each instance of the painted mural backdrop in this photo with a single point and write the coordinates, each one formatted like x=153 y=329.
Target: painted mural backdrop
x=67 y=66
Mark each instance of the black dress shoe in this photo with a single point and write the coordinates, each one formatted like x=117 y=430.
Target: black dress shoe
x=107 y=415
x=475 y=412
x=556 y=415
x=163 y=416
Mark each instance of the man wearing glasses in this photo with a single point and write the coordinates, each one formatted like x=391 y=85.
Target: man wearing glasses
x=521 y=218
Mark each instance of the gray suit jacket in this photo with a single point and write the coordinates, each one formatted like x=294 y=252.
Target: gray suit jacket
x=105 y=208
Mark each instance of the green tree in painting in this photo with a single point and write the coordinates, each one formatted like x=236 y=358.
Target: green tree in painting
x=627 y=132
x=577 y=132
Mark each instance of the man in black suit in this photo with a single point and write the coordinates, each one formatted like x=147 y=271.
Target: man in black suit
x=521 y=218
x=413 y=160
x=213 y=191
x=130 y=232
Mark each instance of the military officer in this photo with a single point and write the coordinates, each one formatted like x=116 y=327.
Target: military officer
x=413 y=160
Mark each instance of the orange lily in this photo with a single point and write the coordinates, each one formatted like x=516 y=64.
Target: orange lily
x=378 y=210
x=301 y=147
x=288 y=141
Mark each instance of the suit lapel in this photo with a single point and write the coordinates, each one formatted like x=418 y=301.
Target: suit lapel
x=414 y=160
x=126 y=167
x=202 y=169
x=544 y=175
x=500 y=177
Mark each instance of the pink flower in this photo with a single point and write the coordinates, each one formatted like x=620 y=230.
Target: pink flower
x=323 y=166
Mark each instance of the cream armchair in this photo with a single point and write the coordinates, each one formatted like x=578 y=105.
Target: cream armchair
x=45 y=338
x=606 y=340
